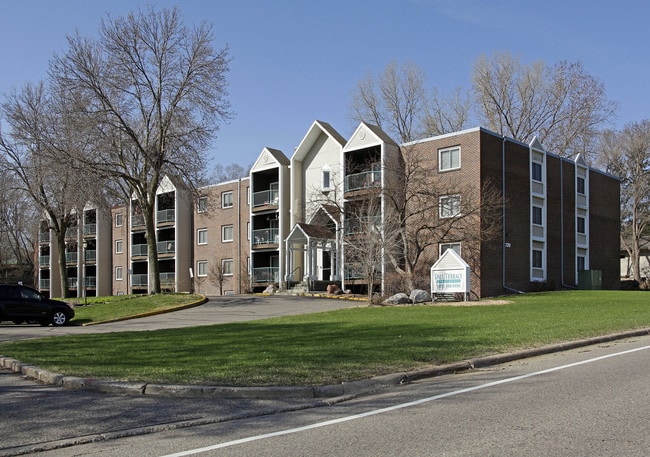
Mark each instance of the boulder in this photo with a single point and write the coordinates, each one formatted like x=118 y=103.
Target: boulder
x=419 y=296
x=270 y=290
x=398 y=299
x=333 y=289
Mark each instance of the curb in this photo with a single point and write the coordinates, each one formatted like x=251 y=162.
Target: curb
x=333 y=393
x=150 y=313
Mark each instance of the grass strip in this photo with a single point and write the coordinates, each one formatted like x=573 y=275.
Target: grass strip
x=337 y=346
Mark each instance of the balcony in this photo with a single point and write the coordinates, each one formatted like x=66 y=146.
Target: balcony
x=44 y=284
x=90 y=255
x=44 y=237
x=265 y=275
x=360 y=181
x=167 y=280
x=137 y=220
x=166 y=216
x=139 y=280
x=265 y=199
x=365 y=224
x=166 y=247
x=139 y=250
x=264 y=237
x=71 y=232
x=44 y=261
x=90 y=229
x=71 y=257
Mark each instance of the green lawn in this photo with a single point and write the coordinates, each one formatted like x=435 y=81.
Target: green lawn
x=337 y=346
x=98 y=309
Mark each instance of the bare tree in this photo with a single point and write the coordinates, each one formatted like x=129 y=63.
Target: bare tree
x=217 y=275
x=155 y=95
x=626 y=154
x=17 y=222
x=40 y=130
x=562 y=105
x=222 y=173
x=447 y=113
x=395 y=101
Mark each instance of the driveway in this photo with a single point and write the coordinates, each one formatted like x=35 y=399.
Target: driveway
x=218 y=310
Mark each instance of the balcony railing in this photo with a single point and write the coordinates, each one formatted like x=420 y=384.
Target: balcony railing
x=91 y=282
x=90 y=229
x=44 y=260
x=44 y=284
x=167 y=279
x=266 y=197
x=364 y=180
x=266 y=236
x=138 y=250
x=72 y=283
x=266 y=274
x=137 y=220
x=71 y=257
x=90 y=255
x=44 y=237
x=139 y=280
x=166 y=215
x=166 y=247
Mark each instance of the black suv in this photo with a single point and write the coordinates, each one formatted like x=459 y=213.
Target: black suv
x=23 y=304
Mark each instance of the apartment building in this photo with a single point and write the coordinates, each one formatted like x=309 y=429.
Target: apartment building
x=309 y=220
x=222 y=236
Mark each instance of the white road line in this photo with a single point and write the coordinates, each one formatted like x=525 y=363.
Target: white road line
x=397 y=407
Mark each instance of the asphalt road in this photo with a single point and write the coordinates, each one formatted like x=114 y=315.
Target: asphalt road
x=591 y=401
x=218 y=310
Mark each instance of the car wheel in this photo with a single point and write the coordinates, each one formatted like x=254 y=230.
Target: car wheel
x=59 y=318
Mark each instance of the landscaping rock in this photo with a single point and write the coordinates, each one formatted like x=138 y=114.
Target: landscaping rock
x=398 y=299
x=420 y=296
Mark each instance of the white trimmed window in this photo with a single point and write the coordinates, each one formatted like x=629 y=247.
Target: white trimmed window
x=326 y=178
x=227 y=199
x=580 y=185
x=449 y=159
x=202 y=205
x=119 y=249
x=202 y=236
x=119 y=274
x=226 y=267
x=536 y=171
x=442 y=247
x=119 y=220
x=537 y=215
x=538 y=256
x=201 y=268
x=449 y=206
x=226 y=233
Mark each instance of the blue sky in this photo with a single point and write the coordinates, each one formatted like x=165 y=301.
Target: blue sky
x=297 y=61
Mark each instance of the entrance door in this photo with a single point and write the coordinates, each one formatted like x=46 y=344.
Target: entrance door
x=326 y=268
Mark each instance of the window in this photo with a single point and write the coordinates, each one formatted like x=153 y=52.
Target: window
x=449 y=206
x=227 y=199
x=119 y=274
x=580 y=185
x=536 y=171
x=248 y=195
x=202 y=205
x=326 y=179
x=119 y=247
x=119 y=220
x=581 y=261
x=580 y=224
x=537 y=215
x=449 y=159
x=248 y=230
x=202 y=236
x=202 y=268
x=226 y=233
x=445 y=246
x=226 y=267
x=537 y=258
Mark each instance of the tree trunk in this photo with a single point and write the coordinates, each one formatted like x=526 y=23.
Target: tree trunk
x=152 y=248
x=63 y=276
